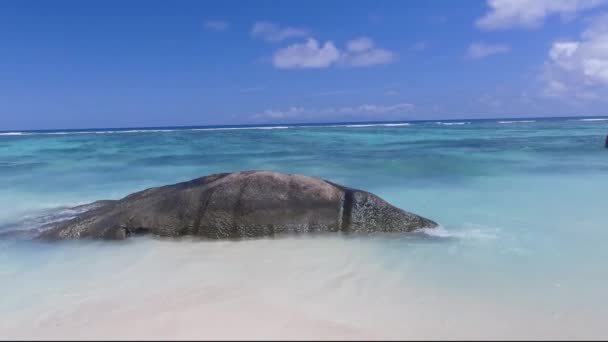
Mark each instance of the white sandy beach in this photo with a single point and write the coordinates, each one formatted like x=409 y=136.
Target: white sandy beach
x=264 y=289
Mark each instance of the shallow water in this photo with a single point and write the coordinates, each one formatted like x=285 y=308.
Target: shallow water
x=522 y=253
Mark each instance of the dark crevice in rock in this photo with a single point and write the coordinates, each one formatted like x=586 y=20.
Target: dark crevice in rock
x=347 y=209
x=237 y=211
x=130 y=231
x=204 y=202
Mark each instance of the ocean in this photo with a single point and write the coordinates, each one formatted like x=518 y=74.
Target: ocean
x=521 y=252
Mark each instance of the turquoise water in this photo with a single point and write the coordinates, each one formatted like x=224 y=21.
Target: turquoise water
x=522 y=203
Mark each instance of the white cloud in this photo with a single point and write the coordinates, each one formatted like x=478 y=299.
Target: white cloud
x=275 y=33
x=369 y=58
x=296 y=112
x=379 y=109
x=281 y=114
x=216 y=25
x=360 y=52
x=306 y=55
x=505 y=14
x=482 y=50
x=359 y=44
x=563 y=50
x=579 y=68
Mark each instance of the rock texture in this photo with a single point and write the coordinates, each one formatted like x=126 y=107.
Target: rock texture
x=240 y=205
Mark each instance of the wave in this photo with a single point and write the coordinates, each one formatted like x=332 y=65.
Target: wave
x=598 y=119
x=88 y=132
x=138 y=131
x=469 y=233
x=438 y=232
x=451 y=123
x=371 y=125
x=202 y=129
x=516 y=121
x=235 y=128
x=133 y=131
x=109 y=132
x=39 y=219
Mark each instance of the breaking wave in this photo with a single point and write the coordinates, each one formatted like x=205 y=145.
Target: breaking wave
x=452 y=123
x=516 y=121
x=602 y=119
x=469 y=233
x=373 y=125
x=42 y=218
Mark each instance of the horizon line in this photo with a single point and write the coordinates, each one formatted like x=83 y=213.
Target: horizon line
x=296 y=123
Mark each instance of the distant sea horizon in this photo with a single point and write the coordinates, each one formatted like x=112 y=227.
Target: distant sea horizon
x=134 y=129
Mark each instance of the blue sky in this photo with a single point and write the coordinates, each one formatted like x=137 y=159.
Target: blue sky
x=79 y=64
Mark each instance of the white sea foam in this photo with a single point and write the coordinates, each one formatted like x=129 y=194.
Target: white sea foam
x=141 y=131
x=41 y=218
x=113 y=132
x=236 y=128
x=452 y=123
x=476 y=234
x=200 y=129
x=374 y=125
x=468 y=233
x=516 y=121
x=597 y=119
x=439 y=232
x=396 y=124
x=87 y=132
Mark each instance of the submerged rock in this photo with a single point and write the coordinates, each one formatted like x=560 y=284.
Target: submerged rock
x=240 y=205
